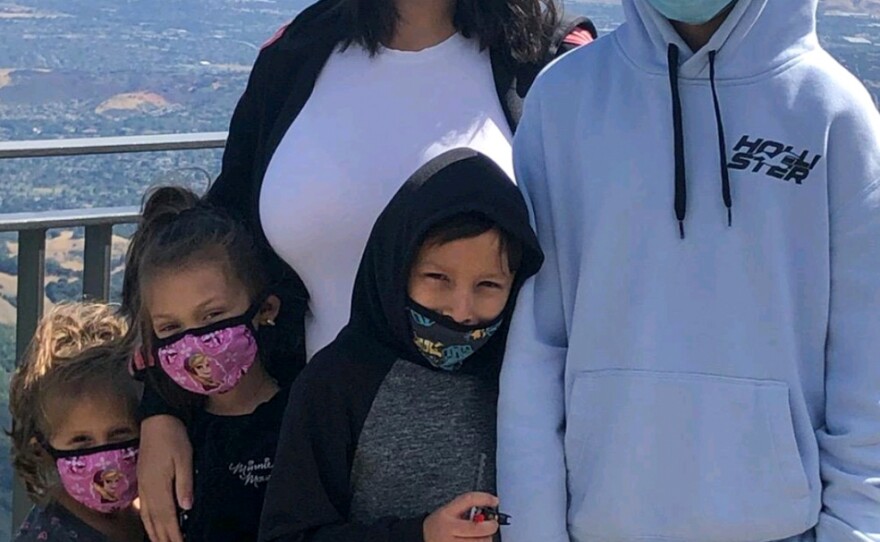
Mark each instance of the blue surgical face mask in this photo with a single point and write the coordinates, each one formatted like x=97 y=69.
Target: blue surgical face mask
x=690 y=11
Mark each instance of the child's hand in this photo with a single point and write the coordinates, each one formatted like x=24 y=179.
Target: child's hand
x=164 y=472
x=450 y=522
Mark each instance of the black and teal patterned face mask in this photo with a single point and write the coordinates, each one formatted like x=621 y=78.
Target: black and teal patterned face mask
x=445 y=343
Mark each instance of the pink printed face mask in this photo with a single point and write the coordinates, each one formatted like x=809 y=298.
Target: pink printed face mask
x=103 y=478
x=210 y=359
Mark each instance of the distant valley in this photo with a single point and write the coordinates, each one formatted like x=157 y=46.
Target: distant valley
x=867 y=7
x=89 y=68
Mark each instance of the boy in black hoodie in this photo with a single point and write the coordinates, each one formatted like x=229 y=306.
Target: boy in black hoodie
x=389 y=425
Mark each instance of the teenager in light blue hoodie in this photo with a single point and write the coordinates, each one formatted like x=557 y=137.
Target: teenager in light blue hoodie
x=699 y=358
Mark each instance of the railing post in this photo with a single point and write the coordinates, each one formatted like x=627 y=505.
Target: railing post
x=96 y=262
x=29 y=308
x=31 y=285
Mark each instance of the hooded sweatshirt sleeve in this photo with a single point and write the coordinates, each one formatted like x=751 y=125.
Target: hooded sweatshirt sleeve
x=233 y=189
x=531 y=463
x=849 y=442
x=309 y=495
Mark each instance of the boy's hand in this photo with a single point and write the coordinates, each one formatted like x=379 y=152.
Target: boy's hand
x=450 y=523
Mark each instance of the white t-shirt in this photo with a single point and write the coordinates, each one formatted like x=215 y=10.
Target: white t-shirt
x=369 y=124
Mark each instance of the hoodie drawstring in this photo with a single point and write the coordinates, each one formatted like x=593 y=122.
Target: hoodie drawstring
x=678 y=127
x=722 y=144
x=680 y=173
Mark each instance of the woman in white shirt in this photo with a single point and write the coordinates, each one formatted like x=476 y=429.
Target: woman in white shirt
x=342 y=106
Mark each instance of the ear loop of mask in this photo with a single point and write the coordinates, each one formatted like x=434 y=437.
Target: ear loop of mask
x=80 y=452
x=246 y=318
x=449 y=322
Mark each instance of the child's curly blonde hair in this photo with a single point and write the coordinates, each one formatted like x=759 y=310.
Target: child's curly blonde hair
x=78 y=349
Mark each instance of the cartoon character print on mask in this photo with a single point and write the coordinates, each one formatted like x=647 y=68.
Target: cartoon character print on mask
x=209 y=362
x=106 y=483
x=103 y=478
x=445 y=343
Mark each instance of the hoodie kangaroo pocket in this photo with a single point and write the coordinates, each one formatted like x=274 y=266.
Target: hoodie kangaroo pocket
x=682 y=457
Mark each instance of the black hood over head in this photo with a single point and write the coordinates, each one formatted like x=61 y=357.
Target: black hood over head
x=460 y=181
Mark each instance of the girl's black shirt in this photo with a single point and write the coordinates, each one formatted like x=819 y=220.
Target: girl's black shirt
x=233 y=458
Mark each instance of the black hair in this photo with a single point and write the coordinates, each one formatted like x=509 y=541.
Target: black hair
x=470 y=225
x=522 y=27
x=179 y=229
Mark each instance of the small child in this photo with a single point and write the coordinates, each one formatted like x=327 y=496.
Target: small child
x=75 y=430
x=201 y=300
x=390 y=433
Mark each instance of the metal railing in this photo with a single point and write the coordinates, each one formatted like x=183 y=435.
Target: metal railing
x=97 y=222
